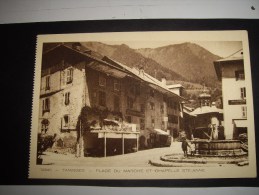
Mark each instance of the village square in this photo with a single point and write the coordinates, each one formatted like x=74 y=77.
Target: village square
x=96 y=111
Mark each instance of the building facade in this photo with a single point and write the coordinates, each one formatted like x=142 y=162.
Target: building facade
x=81 y=91
x=231 y=72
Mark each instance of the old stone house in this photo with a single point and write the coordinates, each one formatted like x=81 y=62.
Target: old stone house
x=81 y=91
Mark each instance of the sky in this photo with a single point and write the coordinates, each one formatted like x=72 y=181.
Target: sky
x=220 y=48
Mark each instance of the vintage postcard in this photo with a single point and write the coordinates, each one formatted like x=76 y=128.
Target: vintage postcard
x=143 y=105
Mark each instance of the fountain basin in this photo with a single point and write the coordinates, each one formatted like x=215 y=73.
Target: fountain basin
x=218 y=147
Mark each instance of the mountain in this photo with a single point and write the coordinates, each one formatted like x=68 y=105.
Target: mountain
x=132 y=58
x=187 y=59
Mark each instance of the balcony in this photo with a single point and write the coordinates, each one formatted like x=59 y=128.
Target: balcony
x=135 y=113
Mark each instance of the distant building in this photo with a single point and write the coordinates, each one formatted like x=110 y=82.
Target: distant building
x=176 y=88
x=230 y=71
x=112 y=107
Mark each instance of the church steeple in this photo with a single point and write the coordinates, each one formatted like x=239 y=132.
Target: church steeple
x=204 y=97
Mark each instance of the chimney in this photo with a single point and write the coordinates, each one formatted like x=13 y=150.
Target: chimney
x=141 y=71
x=163 y=80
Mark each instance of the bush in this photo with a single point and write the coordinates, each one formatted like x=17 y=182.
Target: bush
x=44 y=142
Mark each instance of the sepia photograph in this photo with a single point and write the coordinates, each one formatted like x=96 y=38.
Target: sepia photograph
x=143 y=105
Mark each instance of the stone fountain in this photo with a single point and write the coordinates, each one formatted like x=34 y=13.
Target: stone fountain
x=216 y=147
x=208 y=152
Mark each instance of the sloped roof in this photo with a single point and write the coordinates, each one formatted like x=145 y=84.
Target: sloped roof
x=147 y=78
x=206 y=110
x=235 y=56
x=64 y=50
x=174 y=86
x=188 y=110
x=112 y=64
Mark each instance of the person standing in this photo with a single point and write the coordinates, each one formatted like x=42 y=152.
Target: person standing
x=185 y=145
x=192 y=148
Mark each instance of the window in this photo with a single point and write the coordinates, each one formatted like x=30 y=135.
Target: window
x=66 y=121
x=152 y=93
x=116 y=103
x=46 y=105
x=116 y=85
x=170 y=104
x=240 y=75
x=130 y=102
x=47 y=83
x=142 y=124
x=162 y=108
x=102 y=81
x=153 y=123
x=67 y=98
x=244 y=112
x=137 y=89
x=243 y=92
x=102 y=98
x=175 y=105
x=44 y=126
x=69 y=75
x=152 y=106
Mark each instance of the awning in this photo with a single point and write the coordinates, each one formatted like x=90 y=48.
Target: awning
x=240 y=123
x=110 y=122
x=161 y=132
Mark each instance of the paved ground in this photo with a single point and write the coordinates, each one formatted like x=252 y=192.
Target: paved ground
x=137 y=159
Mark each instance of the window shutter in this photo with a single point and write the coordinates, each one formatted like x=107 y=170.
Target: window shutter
x=43 y=106
x=63 y=76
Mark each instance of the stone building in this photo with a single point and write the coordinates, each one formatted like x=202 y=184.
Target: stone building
x=159 y=107
x=85 y=96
